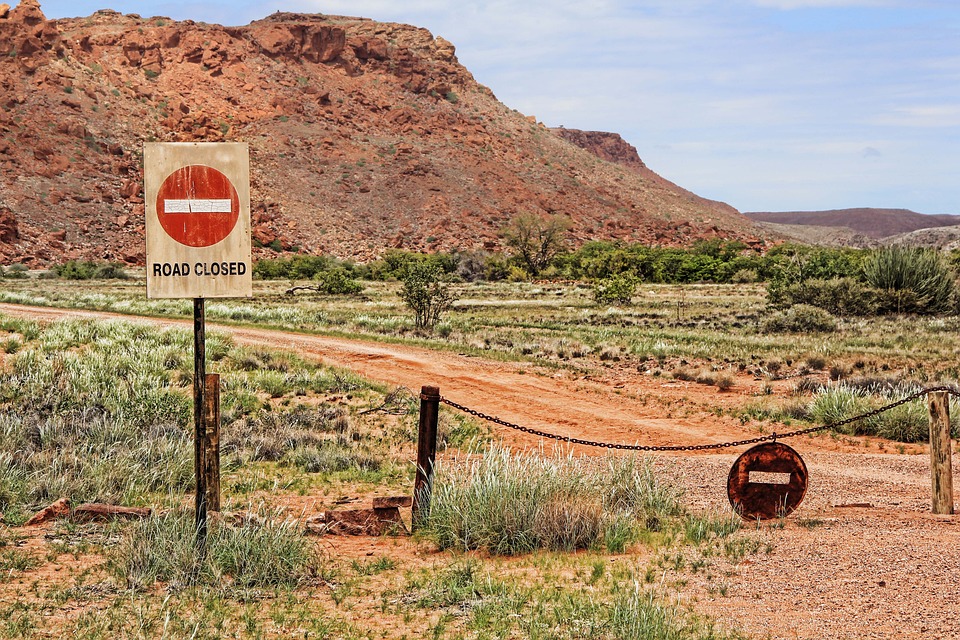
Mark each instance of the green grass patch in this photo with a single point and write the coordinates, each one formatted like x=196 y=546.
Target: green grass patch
x=264 y=554
x=102 y=412
x=508 y=503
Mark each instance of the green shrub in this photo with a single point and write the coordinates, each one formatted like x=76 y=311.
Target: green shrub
x=617 y=289
x=792 y=263
x=16 y=271
x=913 y=280
x=898 y=301
x=516 y=273
x=75 y=270
x=426 y=293
x=300 y=267
x=110 y=271
x=395 y=264
x=496 y=269
x=840 y=296
x=90 y=270
x=337 y=281
x=707 y=261
x=745 y=276
x=801 y=318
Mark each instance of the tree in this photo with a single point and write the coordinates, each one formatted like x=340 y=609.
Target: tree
x=536 y=239
x=426 y=293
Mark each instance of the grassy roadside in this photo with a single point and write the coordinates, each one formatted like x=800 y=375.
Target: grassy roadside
x=718 y=326
x=99 y=411
x=714 y=335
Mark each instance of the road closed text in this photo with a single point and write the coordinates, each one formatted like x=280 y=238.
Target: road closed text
x=176 y=269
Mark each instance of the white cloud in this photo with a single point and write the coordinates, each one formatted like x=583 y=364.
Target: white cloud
x=787 y=5
x=767 y=104
x=926 y=116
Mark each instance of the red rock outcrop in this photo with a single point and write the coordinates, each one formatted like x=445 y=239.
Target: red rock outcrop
x=293 y=42
x=363 y=136
x=608 y=146
x=27 y=36
x=9 y=231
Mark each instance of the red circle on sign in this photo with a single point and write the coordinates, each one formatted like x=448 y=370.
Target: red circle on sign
x=198 y=206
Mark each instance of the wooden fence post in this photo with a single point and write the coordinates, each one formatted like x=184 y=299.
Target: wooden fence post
x=426 y=452
x=199 y=387
x=211 y=440
x=941 y=472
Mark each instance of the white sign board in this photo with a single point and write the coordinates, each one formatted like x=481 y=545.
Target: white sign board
x=198 y=219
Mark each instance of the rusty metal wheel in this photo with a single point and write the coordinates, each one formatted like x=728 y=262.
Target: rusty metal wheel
x=767 y=481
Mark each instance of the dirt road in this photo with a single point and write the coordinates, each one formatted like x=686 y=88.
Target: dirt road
x=645 y=410
x=861 y=558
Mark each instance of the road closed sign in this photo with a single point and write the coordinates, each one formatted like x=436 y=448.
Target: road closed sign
x=198 y=220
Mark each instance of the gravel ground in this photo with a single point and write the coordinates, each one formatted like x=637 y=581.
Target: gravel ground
x=837 y=568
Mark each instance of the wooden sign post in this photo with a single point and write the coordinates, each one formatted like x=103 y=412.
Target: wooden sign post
x=198 y=246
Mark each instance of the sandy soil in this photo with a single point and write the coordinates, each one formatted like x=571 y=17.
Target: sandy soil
x=862 y=557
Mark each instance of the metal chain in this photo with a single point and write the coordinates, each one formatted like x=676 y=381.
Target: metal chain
x=701 y=447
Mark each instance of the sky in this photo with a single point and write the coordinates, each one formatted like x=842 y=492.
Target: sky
x=768 y=105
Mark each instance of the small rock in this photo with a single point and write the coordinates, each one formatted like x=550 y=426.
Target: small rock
x=357 y=522
x=58 y=509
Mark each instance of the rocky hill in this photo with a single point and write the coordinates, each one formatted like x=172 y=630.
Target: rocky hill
x=363 y=136
x=607 y=146
x=855 y=227
x=944 y=238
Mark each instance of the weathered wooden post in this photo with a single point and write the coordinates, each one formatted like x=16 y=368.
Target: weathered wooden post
x=211 y=441
x=941 y=472
x=426 y=453
x=199 y=410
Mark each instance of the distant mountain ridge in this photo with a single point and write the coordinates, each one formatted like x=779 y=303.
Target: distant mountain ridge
x=869 y=222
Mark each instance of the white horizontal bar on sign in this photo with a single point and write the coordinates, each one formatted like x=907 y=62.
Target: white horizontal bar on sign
x=197 y=206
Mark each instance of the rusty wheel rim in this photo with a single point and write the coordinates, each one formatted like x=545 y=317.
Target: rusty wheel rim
x=767 y=481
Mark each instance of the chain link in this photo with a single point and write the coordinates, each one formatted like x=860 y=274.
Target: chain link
x=702 y=447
